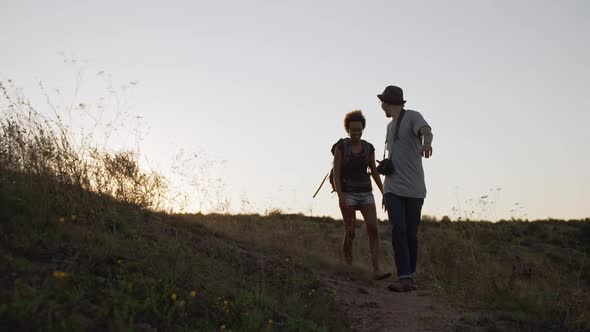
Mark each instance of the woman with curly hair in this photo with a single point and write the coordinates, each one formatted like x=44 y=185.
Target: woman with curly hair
x=352 y=157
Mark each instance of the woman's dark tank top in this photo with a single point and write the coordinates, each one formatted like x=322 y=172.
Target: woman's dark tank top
x=355 y=177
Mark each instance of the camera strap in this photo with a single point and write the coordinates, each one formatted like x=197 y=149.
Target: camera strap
x=396 y=135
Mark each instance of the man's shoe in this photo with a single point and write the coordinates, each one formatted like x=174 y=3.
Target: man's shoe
x=401 y=286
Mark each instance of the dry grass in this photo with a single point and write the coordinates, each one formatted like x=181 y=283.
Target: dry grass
x=314 y=242
x=43 y=148
x=528 y=275
x=82 y=246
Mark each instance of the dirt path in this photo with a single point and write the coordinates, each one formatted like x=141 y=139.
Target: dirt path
x=370 y=306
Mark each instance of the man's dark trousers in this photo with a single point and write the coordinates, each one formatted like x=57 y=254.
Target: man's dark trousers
x=404 y=216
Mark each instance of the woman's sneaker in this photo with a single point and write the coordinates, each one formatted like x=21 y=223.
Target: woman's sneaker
x=381 y=275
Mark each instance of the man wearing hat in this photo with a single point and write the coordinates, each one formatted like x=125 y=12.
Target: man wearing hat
x=409 y=138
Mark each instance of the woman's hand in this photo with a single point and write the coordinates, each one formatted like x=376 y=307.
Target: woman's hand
x=341 y=200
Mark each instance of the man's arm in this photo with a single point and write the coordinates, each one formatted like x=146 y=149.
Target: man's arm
x=377 y=178
x=426 y=135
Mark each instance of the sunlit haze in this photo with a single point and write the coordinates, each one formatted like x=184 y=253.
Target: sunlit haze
x=260 y=89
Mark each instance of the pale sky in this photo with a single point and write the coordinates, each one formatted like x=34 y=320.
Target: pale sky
x=265 y=86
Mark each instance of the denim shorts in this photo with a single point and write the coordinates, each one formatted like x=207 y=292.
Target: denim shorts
x=357 y=199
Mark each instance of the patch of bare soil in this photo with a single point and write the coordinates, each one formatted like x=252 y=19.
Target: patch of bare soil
x=370 y=306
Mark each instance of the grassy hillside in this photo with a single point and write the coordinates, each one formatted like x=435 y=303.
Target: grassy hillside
x=141 y=270
x=526 y=276
x=117 y=267
x=83 y=246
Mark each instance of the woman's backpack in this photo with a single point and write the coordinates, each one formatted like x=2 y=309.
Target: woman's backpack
x=345 y=158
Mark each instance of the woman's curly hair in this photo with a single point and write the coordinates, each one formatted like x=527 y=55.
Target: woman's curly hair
x=355 y=115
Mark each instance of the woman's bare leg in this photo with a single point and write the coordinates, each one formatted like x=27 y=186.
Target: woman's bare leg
x=369 y=213
x=348 y=216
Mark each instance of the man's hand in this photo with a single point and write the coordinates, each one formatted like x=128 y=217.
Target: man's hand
x=426 y=150
x=426 y=133
x=383 y=204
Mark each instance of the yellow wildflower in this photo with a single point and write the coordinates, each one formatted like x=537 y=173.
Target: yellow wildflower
x=60 y=274
x=62 y=219
x=193 y=293
x=173 y=296
x=74 y=217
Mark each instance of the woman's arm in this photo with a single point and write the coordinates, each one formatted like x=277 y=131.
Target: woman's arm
x=337 y=172
x=374 y=173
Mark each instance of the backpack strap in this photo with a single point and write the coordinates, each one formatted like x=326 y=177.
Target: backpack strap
x=337 y=144
x=367 y=150
x=345 y=142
